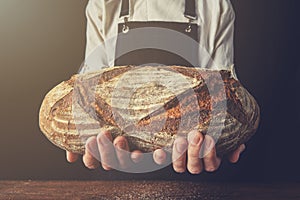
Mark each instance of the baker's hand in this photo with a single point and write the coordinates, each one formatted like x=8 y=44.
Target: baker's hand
x=195 y=154
x=186 y=154
x=114 y=154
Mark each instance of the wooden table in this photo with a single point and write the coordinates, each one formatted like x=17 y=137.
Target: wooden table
x=145 y=190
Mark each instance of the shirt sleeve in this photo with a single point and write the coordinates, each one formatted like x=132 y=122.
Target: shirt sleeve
x=94 y=29
x=224 y=47
x=95 y=53
x=217 y=30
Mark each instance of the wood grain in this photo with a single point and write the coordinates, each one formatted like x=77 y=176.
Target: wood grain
x=39 y=190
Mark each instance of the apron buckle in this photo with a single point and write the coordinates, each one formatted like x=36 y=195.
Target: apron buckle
x=189 y=28
x=125 y=26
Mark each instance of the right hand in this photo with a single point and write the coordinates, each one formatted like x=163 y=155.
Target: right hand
x=114 y=154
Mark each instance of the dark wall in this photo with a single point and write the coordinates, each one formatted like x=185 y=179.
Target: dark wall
x=42 y=43
x=266 y=57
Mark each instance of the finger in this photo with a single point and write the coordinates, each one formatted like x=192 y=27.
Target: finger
x=122 y=152
x=159 y=156
x=106 y=150
x=137 y=156
x=210 y=160
x=71 y=157
x=90 y=157
x=235 y=155
x=179 y=155
x=194 y=164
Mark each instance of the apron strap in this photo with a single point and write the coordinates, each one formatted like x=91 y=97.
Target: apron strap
x=124 y=9
x=189 y=13
x=190 y=9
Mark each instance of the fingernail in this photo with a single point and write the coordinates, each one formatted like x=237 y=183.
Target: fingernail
x=103 y=139
x=136 y=158
x=196 y=139
x=159 y=157
x=180 y=147
x=242 y=148
x=121 y=145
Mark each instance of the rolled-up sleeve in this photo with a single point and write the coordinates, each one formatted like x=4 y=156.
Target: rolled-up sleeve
x=94 y=29
x=224 y=47
x=217 y=31
x=95 y=52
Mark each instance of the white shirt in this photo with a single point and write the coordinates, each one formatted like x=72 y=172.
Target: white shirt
x=215 y=18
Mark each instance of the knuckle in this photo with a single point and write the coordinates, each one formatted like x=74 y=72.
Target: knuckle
x=210 y=154
x=193 y=153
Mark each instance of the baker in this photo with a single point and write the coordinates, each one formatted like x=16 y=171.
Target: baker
x=111 y=25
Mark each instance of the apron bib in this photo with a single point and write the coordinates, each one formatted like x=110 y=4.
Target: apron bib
x=131 y=33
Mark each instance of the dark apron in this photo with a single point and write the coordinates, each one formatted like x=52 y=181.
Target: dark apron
x=155 y=56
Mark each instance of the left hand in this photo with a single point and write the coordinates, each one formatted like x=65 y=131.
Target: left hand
x=197 y=153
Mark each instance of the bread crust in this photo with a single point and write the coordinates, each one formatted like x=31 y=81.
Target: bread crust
x=151 y=112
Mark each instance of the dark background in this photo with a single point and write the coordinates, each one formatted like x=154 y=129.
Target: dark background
x=42 y=42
